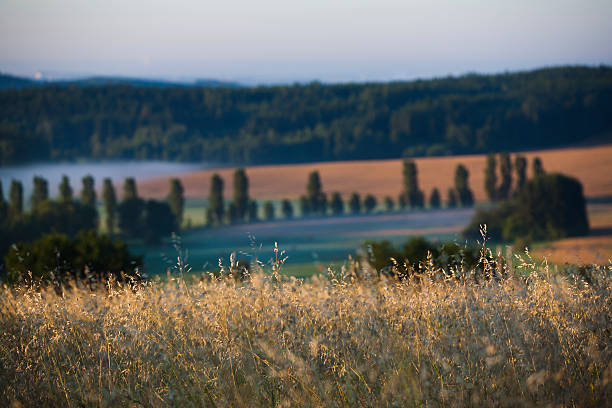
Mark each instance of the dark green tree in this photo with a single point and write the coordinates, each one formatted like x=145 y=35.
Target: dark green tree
x=305 y=209
x=158 y=221
x=505 y=169
x=65 y=191
x=269 y=210
x=216 y=207
x=414 y=196
x=129 y=189
x=389 y=204
x=241 y=193
x=401 y=201
x=464 y=194
x=491 y=177
x=451 y=201
x=355 y=203
x=40 y=192
x=110 y=205
x=252 y=211
x=16 y=200
x=3 y=208
x=520 y=164
x=538 y=168
x=314 y=192
x=337 y=205
x=287 y=209
x=434 y=198
x=131 y=211
x=176 y=200
x=369 y=203
x=88 y=193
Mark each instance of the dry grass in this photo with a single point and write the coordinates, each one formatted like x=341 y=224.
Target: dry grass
x=591 y=165
x=525 y=341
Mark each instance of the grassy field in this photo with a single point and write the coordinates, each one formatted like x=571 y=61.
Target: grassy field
x=591 y=165
x=534 y=340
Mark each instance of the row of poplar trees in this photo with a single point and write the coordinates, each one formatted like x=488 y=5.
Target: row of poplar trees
x=503 y=190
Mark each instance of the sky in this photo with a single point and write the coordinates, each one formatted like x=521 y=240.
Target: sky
x=280 y=41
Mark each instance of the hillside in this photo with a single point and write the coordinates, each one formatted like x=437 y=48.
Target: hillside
x=591 y=165
x=304 y=123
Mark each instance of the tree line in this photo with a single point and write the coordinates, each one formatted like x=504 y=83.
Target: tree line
x=468 y=114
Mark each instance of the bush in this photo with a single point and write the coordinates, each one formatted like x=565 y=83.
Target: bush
x=550 y=206
x=58 y=257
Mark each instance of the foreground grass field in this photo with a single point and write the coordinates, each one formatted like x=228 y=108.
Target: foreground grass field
x=526 y=339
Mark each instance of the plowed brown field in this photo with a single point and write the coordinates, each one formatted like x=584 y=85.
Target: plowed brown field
x=591 y=165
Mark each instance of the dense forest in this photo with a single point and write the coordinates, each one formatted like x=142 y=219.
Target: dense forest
x=468 y=114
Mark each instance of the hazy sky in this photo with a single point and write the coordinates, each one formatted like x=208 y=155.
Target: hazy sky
x=286 y=40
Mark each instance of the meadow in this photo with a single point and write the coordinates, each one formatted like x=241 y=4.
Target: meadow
x=487 y=337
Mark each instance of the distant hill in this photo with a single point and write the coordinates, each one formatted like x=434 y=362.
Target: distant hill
x=135 y=119
x=15 y=82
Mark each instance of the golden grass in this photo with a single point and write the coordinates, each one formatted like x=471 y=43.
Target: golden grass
x=591 y=165
x=518 y=342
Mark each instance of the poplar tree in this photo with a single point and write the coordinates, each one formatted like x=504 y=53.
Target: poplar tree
x=464 y=194
x=287 y=209
x=451 y=202
x=414 y=196
x=520 y=164
x=369 y=203
x=355 y=203
x=176 y=200
x=215 y=201
x=538 y=168
x=40 y=191
x=491 y=177
x=314 y=193
x=88 y=193
x=3 y=207
x=110 y=204
x=269 y=210
x=15 y=200
x=241 y=194
x=129 y=189
x=337 y=205
x=434 y=198
x=505 y=169
x=389 y=204
x=65 y=191
x=252 y=211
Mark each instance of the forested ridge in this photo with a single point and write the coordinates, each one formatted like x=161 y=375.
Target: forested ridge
x=281 y=124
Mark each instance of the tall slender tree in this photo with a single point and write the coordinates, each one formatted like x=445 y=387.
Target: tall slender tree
x=414 y=196
x=451 y=201
x=110 y=205
x=241 y=193
x=88 y=193
x=355 y=203
x=315 y=195
x=389 y=204
x=176 y=200
x=434 y=198
x=129 y=189
x=15 y=200
x=491 y=177
x=269 y=210
x=369 y=203
x=520 y=164
x=505 y=169
x=3 y=207
x=287 y=209
x=216 y=207
x=131 y=211
x=65 y=191
x=464 y=194
x=337 y=205
x=252 y=211
x=538 y=168
x=40 y=191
